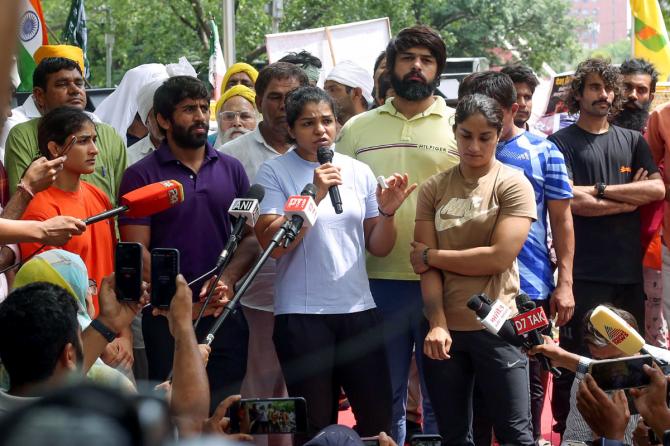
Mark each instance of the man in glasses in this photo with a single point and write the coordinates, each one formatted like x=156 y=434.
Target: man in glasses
x=236 y=114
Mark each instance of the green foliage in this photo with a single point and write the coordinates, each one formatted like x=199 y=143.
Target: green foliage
x=534 y=31
x=616 y=51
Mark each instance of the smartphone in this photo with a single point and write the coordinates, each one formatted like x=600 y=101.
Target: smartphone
x=370 y=441
x=128 y=268
x=164 y=270
x=625 y=373
x=269 y=416
x=425 y=440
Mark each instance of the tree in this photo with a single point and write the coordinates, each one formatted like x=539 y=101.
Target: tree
x=534 y=31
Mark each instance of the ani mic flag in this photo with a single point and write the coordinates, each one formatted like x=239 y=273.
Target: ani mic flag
x=651 y=37
x=32 y=35
x=75 y=31
x=217 y=67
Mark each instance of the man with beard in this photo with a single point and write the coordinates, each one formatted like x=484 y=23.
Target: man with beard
x=199 y=228
x=613 y=174
x=413 y=134
x=639 y=86
x=350 y=86
x=235 y=114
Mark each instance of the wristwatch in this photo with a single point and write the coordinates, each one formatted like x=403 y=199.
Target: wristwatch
x=104 y=330
x=600 y=189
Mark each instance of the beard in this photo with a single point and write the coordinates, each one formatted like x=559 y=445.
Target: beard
x=228 y=134
x=633 y=118
x=186 y=137
x=413 y=90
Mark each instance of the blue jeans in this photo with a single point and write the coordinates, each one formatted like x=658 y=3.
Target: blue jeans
x=401 y=307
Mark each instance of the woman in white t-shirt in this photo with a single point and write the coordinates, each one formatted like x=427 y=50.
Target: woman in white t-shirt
x=327 y=330
x=471 y=222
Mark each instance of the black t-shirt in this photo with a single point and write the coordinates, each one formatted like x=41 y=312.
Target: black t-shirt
x=607 y=249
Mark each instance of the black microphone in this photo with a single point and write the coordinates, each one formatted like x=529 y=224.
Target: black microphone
x=246 y=211
x=325 y=155
x=495 y=321
x=534 y=321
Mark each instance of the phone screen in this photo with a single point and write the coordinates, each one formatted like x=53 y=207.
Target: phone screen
x=426 y=440
x=128 y=271
x=626 y=373
x=164 y=270
x=370 y=441
x=269 y=416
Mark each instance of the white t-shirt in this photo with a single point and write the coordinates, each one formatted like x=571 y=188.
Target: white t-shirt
x=325 y=273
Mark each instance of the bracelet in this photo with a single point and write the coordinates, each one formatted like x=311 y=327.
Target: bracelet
x=104 y=330
x=424 y=255
x=384 y=213
x=26 y=188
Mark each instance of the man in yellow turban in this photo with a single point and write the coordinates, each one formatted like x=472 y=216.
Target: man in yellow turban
x=235 y=114
x=240 y=74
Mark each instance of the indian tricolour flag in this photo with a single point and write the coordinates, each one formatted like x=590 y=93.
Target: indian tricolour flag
x=217 y=66
x=32 y=35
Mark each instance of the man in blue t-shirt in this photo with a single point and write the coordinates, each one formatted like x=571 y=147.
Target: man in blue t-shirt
x=544 y=166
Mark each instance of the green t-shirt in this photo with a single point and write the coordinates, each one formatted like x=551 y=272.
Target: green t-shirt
x=21 y=149
x=388 y=142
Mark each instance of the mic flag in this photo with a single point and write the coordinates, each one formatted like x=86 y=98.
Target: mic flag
x=493 y=317
x=145 y=201
x=247 y=207
x=616 y=330
x=529 y=318
x=302 y=206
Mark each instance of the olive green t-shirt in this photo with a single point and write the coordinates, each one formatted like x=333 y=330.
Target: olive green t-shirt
x=465 y=214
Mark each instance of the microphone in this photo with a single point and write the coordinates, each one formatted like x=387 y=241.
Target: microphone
x=493 y=316
x=145 y=201
x=528 y=323
x=246 y=211
x=619 y=332
x=325 y=155
x=300 y=210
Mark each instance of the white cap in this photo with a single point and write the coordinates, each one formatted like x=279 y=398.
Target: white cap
x=145 y=98
x=352 y=75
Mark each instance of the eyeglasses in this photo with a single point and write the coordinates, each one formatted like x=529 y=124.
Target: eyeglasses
x=92 y=287
x=229 y=116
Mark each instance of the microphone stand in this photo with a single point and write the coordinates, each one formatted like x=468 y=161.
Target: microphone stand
x=220 y=266
x=283 y=237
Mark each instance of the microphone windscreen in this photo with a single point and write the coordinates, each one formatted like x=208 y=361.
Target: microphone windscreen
x=153 y=198
x=475 y=303
x=310 y=190
x=255 y=192
x=524 y=303
x=324 y=155
x=616 y=330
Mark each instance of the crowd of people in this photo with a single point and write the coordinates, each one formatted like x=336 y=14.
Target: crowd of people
x=367 y=306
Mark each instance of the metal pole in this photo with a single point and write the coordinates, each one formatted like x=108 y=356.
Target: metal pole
x=109 y=43
x=229 y=32
x=277 y=13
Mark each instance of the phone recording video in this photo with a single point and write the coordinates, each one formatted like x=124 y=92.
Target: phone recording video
x=128 y=269
x=624 y=373
x=269 y=416
x=425 y=440
x=164 y=271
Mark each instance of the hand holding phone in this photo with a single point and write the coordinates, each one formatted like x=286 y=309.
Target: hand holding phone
x=269 y=416
x=128 y=269
x=622 y=373
x=164 y=271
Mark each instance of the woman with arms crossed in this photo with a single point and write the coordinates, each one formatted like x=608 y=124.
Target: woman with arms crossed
x=327 y=329
x=471 y=223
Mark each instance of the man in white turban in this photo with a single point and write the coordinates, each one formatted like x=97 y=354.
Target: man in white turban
x=145 y=108
x=350 y=86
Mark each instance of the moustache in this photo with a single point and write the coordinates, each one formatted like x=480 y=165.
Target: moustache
x=602 y=102
x=415 y=74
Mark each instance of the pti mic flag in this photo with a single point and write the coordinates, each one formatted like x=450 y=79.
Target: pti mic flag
x=651 y=37
x=217 y=66
x=32 y=35
x=75 y=31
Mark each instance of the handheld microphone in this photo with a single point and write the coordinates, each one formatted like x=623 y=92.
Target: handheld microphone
x=619 y=332
x=246 y=211
x=325 y=155
x=145 y=201
x=493 y=317
x=529 y=322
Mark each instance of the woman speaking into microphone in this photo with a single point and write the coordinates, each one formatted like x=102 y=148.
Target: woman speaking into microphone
x=327 y=330
x=471 y=222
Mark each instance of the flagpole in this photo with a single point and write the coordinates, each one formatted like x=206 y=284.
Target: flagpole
x=632 y=31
